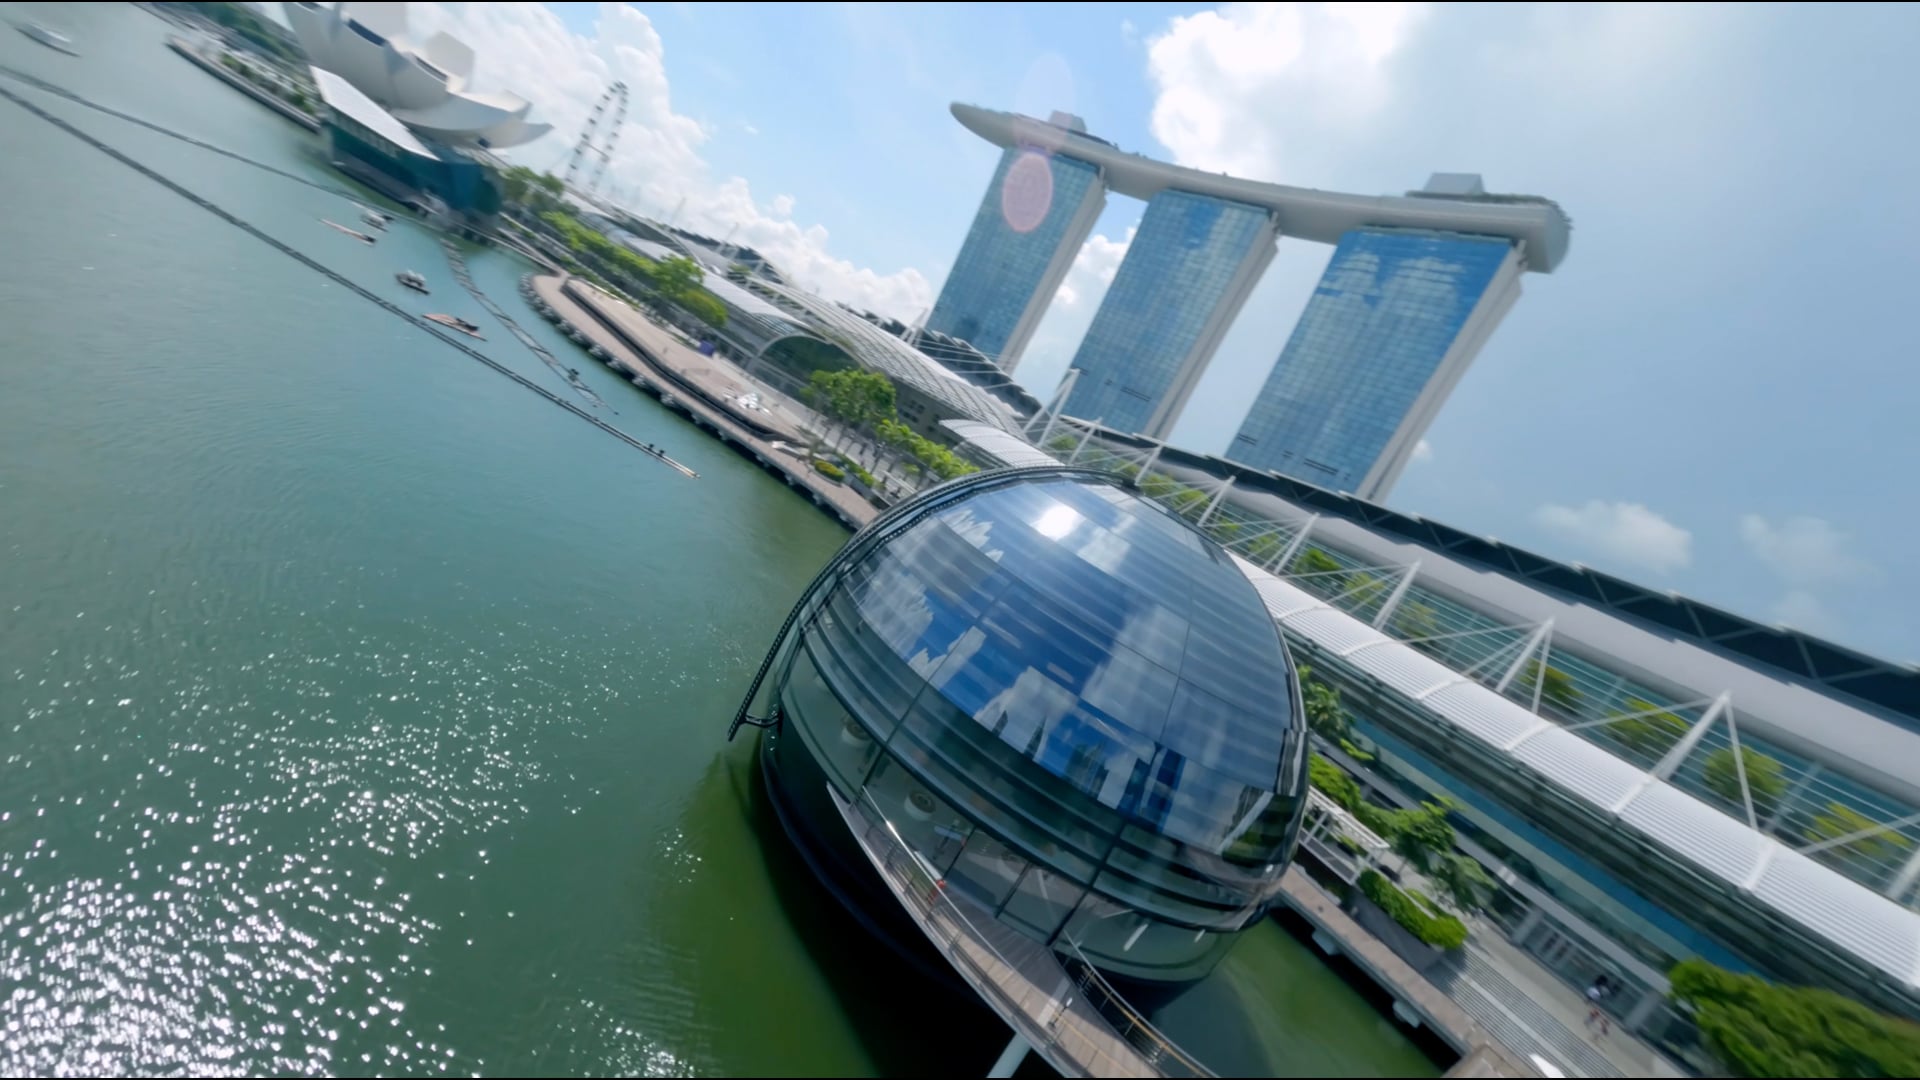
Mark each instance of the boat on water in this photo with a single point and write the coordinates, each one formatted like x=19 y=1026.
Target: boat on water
x=412 y=280
x=355 y=233
x=455 y=322
x=48 y=36
x=374 y=218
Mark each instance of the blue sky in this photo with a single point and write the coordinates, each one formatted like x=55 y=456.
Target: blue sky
x=1713 y=394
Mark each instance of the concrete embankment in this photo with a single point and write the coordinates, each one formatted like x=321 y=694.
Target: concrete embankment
x=653 y=360
x=211 y=63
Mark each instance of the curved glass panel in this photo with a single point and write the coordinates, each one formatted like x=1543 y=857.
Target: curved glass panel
x=1093 y=634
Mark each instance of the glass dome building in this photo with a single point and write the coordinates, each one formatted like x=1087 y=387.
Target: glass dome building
x=1071 y=705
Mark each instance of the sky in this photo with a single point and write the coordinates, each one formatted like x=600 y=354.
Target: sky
x=1714 y=394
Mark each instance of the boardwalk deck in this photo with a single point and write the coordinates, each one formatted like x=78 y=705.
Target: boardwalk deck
x=1024 y=981
x=843 y=502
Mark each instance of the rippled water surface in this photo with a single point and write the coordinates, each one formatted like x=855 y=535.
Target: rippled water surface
x=361 y=711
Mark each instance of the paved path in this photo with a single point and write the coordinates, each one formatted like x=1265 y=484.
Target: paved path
x=1480 y=1051
x=649 y=370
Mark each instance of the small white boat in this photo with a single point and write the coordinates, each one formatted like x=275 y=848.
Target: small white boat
x=455 y=322
x=355 y=233
x=412 y=280
x=48 y=36
x=375 y=218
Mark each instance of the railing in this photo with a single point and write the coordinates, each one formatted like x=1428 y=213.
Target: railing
x=1159 y=1051
x=1078 y=991
x=925 y=893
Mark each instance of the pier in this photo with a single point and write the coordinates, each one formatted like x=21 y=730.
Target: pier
x=689 y=383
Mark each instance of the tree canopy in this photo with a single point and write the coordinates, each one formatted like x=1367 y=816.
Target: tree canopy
x=1761 y=1029
x=677 y=279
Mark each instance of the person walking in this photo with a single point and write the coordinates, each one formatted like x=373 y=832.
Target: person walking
x=1597 y=993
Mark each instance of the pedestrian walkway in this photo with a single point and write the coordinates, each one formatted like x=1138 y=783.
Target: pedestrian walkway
x=1516 y=1020
x=1066 y=1015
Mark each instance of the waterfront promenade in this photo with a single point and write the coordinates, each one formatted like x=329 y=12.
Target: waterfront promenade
x=655 y=360
x=1415 y=998
x=208 y=58
x=650 y=357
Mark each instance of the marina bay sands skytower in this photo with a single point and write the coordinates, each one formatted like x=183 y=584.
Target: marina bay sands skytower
x=1415 y=286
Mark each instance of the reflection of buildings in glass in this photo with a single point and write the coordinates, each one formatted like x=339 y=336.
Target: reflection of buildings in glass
x=1192 y=263
x=965 y=675
x=1038 y=209
x=1391 y=328
x=1592 y=734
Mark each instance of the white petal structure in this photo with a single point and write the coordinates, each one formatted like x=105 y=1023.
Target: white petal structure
x=423 y=86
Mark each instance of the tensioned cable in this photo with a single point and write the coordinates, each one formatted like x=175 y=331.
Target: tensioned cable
x=314 y=265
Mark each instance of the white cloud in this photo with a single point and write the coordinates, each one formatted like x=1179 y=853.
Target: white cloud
x=1423 y=451
x=1803 y=551
x=1802 y=610
x=1229 y=82
x=1628 y=532
x=1128 y=31
x=1058 y=336
x=749 y=129
x=1086 y=282
x=525 y=48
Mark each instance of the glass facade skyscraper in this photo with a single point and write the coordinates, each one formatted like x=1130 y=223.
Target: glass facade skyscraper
x=1392 y=326
x=1036 y=214
x=1192 y=263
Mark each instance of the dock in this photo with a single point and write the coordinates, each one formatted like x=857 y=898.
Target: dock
x=1416 y=1001
x=652 y=359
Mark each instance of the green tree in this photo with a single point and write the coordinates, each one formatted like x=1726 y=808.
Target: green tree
x=1556 y=686
x=1415 y=621
x=1423 y=835
x=1156 y=486
x=1761 y=1029
x=677 y=277
x=704 y=306
x=1646 y=729
x=1190 y=502
x=1873 y=846
x=1466 y=883
x=1312 y=560
x=1764 y=779
x=1333 y=782
x=1264 y=547
x=1361 y=589
x=1320 y=700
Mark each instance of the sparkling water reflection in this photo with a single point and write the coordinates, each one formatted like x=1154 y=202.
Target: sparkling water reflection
x=359 y=711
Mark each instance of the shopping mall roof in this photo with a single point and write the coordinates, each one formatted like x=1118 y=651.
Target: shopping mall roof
x=1738 y=858
x=875 y=348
